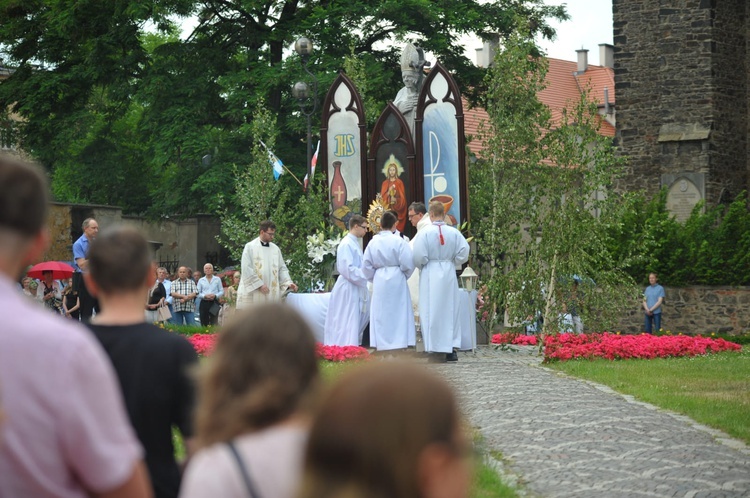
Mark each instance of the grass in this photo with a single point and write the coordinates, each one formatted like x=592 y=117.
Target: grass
x=488 y=484
x=713 y=390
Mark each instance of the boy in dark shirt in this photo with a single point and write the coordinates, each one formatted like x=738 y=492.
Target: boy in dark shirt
x=152 y=364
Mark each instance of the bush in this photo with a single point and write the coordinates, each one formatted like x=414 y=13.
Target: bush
x=711 y=248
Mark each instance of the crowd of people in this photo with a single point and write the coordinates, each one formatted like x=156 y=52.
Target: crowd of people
x=89 y=409
x=181 y=294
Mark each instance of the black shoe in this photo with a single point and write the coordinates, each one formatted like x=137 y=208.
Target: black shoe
x=451 y=356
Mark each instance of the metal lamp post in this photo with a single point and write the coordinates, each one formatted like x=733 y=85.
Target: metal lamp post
x=301 y=92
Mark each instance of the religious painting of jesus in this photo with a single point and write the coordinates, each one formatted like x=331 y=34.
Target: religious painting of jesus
x=392 y=190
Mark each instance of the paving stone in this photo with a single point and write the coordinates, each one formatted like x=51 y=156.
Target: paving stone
x=564 y=437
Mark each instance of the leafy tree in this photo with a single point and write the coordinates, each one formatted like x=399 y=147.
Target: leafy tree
x=536 y=200
x=259 y=197
x=87 y=71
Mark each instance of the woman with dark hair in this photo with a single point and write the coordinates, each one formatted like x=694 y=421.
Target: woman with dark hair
x=71 y=302
x=387 y=431
x=252 y=422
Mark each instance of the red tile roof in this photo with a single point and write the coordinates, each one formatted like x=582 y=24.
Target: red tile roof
x=563 y=89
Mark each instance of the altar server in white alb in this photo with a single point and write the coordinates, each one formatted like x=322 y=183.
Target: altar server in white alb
x=348 y=310
x=437 y=249
x=264 y=273
x=387 y=264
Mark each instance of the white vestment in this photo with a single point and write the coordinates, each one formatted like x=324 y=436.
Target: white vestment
x=348 y=310
x=438 y=286
x=414 y=279
x=388 y=263
x=262 y=265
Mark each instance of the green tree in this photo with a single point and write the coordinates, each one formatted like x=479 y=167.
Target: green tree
x=257 y=197
x=194 y=97
x=538 y=197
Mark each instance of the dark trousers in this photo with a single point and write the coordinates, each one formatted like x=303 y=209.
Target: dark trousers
x=89 y=303
x=206 y=317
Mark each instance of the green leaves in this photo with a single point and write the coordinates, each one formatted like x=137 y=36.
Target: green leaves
x=538 y=196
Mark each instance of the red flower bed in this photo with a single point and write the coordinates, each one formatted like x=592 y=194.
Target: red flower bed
x=564 y=347
x=341 y=353
x=204 y=344
x=510 y=338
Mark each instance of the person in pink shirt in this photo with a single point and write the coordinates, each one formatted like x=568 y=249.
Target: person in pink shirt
x=65 y=433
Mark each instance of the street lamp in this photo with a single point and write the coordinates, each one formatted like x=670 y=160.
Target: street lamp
x=301 y=92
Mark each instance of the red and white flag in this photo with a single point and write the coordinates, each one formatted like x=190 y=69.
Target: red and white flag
x=313 y=163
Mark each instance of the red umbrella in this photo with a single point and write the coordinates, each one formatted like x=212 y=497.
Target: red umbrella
x=59 y=270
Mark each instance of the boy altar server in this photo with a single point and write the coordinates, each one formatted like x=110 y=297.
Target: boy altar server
x=387 y=264
x=348 y=310
x=437 y=249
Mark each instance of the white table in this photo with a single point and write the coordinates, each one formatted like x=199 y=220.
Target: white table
x=467 y=319
x=313 y=308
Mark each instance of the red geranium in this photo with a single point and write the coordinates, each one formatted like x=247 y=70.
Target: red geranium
x=563 y=347
x=515 y=339
x=204 y=344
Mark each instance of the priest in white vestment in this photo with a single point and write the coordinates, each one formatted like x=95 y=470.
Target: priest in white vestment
x=264 y=273
x=348 y=309
x=388 y=262
x=437 y=249
x=419 y=218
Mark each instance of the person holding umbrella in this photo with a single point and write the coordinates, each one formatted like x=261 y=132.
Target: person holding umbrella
x=50 y=289
x=50 y=292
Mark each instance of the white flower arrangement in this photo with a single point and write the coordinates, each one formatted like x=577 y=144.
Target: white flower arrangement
x=321 y=249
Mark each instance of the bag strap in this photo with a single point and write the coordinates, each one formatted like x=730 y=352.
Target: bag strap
x=252 y=492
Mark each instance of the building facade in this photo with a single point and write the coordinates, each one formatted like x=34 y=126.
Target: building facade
x=681 y=77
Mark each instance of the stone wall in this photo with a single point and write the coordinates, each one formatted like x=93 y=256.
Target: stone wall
x=191 y=242
x=697 y=310
x=681 y=79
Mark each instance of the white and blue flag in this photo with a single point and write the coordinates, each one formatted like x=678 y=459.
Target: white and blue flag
x=276 y=164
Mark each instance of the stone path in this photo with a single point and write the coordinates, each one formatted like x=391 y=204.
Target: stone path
x=563 y=437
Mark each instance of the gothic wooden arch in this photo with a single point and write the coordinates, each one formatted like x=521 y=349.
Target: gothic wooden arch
x=391 y=137
x=343 y=149
x=441 y=156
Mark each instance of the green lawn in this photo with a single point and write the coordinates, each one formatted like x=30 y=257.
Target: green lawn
x=713 y=389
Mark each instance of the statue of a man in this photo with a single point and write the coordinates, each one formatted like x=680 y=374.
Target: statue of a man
x=412 y=65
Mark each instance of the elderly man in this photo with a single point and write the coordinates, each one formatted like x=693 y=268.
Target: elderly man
x=184 y=292
x=437 y=249
x=265 y=276
x=210 y=290
x=348 y=310
x=65 y=431
x=89 y=305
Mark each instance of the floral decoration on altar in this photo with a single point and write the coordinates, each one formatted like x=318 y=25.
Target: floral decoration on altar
x=321 y=249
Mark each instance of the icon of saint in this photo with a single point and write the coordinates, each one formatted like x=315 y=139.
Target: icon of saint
x=393 y=191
